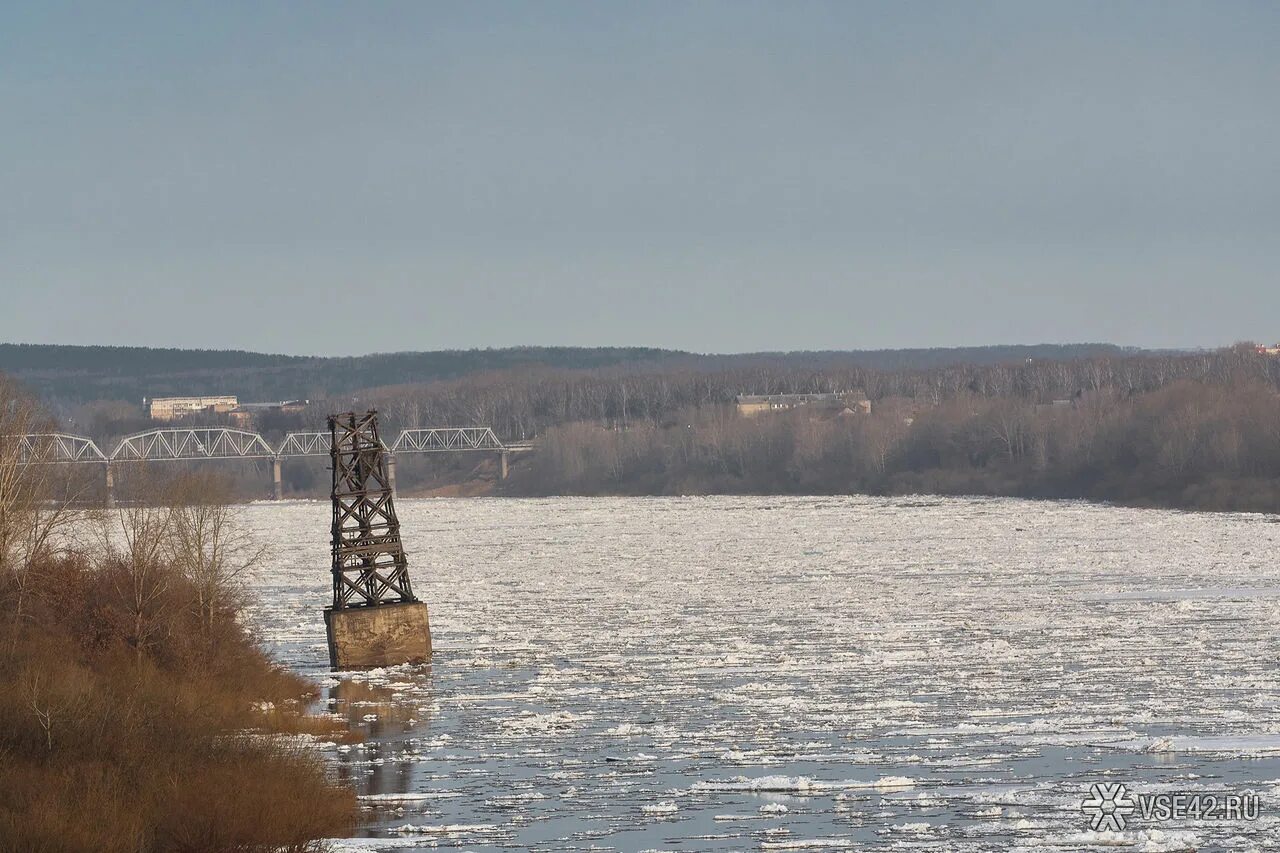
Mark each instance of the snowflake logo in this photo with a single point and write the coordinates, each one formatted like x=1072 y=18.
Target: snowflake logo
x=1107 y=806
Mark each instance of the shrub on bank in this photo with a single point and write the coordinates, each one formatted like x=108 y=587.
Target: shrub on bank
x=131 y=722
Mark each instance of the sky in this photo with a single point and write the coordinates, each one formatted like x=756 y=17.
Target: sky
x=340 y=178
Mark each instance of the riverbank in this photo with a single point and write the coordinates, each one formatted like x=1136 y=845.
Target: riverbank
x=1216 y=495
x=139 y=716
x=1188 y=445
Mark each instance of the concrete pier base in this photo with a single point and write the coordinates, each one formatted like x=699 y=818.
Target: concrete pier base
x=381 y=635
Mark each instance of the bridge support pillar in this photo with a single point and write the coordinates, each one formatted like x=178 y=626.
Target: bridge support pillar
x=276 y=484
x=109 y=480
x=361 y=638
x=381 y=635
x=391 y=473
x=503 y=464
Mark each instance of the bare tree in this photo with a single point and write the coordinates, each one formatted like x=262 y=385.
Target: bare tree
x=209 y=546
x=55 y=698
x=134 y=537
x=1008 y=422
x=34 y=518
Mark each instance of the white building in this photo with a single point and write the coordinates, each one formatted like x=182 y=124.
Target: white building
x=171 y=408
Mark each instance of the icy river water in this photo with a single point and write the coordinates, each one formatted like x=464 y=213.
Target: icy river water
x=759 y=673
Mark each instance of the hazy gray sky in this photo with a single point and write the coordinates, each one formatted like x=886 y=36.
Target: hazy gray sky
x=709 y=176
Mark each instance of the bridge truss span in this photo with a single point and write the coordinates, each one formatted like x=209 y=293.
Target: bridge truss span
x=305 y=444
x=58 y=447
x=446 y=439
x=224 y=443
x=199 y=443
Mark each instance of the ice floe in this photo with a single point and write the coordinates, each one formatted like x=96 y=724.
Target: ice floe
x=866 y=663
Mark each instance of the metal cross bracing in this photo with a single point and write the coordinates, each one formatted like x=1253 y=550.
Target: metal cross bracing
x=305 y=444
x=446 y=439
x=199 y=443
x=58 y=447
x=226 y=443
x=369 y=566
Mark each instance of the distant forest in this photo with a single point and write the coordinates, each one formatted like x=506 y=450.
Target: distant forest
x=1194 y=430
x=1183 y=429
x=67 y=376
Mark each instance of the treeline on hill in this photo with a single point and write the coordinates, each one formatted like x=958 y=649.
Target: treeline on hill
x=670 y=426
x=523 y=404
x=137 y=714
x=1189 y=444
x=69 y=376
x=1199 y=431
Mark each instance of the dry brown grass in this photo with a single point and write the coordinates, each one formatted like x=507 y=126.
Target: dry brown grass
x=116 y=739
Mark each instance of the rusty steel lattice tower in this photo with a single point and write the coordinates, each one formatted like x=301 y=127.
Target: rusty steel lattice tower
x=375 y=619
x=369 y=565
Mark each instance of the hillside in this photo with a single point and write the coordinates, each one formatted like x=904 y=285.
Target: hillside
x=70 y=375
x=66 y=376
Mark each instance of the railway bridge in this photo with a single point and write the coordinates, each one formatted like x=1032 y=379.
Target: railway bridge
x=225 y=443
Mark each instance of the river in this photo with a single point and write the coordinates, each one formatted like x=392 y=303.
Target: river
x=764 y=673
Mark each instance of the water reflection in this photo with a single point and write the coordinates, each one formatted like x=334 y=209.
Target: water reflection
x=392 y=720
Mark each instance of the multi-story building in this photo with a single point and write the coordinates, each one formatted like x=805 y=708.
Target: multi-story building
x=171 y=408
x=244 y=414
x=851 y=402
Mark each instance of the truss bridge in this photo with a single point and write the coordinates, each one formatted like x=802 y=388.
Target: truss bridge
x=226 y=443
